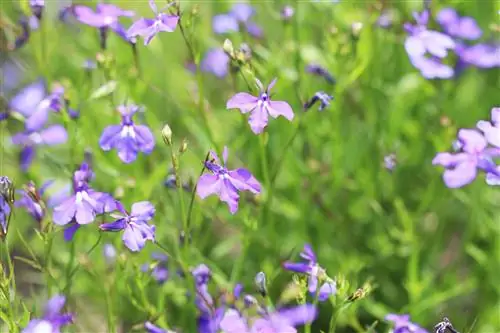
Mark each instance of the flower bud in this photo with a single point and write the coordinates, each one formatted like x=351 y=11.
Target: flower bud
x=166 y=134
x=184 y=146
x=261 y=283
x=228 y=48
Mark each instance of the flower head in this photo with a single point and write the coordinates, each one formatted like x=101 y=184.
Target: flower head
x=315 y=272
x=31 y=199
x=5 y=212
x=52 y=319
x=474 y=154
x=135 y=225
x=239 y=14
x=390 y=162
x=105 y=16
x=158 y=268
x=226 y=183
x=148 y=28
x=321 y=97
x=320 y=71
x=260 y=107
x=480 y=55
x=402 y=324
x=127 y=138
x=216 y=61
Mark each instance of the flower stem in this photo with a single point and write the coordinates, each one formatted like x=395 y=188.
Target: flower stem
x=193 y=195
x=267 y=180
x=11 y=279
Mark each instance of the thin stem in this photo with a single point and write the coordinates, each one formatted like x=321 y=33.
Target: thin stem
x=178 y=185
x=298 y=60
x=193 y=195
x=49 y=237
x=267 y=180
x=11 y=279
x=307 y=328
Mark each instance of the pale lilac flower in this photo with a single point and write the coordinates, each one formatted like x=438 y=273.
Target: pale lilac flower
x=127 y=138
x=491 y=130
x=158 y=268
x=148 y=28
x=321 y=71
x=315 y=272
x=28 y=140
x=135 y=225
x=37 y=8
x=459 y=27
x=240 y=13
x=105 y=16
x=216 y=61
x=226 y=183
x=390 y=162
x=461 y=168
x=52 y=319
x=287 y=13
x=109 y=253
x=260 y=107
x=402 y=324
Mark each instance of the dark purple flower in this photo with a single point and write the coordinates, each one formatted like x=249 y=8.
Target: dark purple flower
x=52 y=135
x=226 y=183
x=461 y=168
x=216 y=61
x=52 y=319
x=491 y=130
x=315 y=272
x=21 y=40
x=135 y=225
x=4 y=216
x=402 y=324
x=459 y=27
x=321 y=71
x=148 y=28
x=127 y=138
x=31 y=199
x=260 y=107
x=321 y=97
x=426 y=48
x=240 y=13
x=105 y=16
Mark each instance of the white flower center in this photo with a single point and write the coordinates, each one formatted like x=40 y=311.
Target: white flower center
x=43 y=327
x=108 y=20
x=35 y=138
x=127 y=131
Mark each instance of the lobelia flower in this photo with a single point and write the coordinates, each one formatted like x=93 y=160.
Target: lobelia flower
x=461 y=168
x=426 y=48
x=281 y=321
x=148 y=28
x=321 y=97
x=105 y=16
x=390 y=162
x=5 y=212
x=315 y=272
x=402 y=324
x=109 y=253
x=127 y=138
x=239 y=14
x=287 y=13
x=31 y=199
x=134 y=224
x=459 y=27
x=52 y=135
x=209 y=318
x=226 y=183
x=21 y=40
x=215 y=61
x=158 y=268
x=320 y=71
x=260 y=107
x=52 y=319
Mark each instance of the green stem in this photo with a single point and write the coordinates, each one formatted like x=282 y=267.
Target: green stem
x=193 y=195
x=307 y=328
x=49 y=238
x=267 y=181
x=298 y=60
x=178 y=185
x=10 y=280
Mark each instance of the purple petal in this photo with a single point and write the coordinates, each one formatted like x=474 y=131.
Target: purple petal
x=491 y=133
x=449 y=160
x=447 y=16
x=143 y=210
x=242 y=12
x=152 y=5
x=169 y=23
x=432 y=68
x=224 y=23
x=279 y=108
x=53 y=135
x=473 y=141
x=215 y=61
x=27 y=100
x=136 y=235
x=414 y=46
x=299 y=315
x=243 y=101
x=38 y=119
x=153 y=328
x=495 y=116
x=113 y=10
x=110 y=137
x=463 y=174
x=207 y=185
x=127 y=149
x=65 y=212
x=327 y=289
x=145 y=139
x=258 y=120
x=229 y=194
x=308 y=253
x=243 y=180
x=298 y=267
x=70 y=230
x=26 y=157
x=85 y=212
x=87 y=16
x=492 y=179
x=271 y=85
x=117 y=225
x=54 y=306
x=254 y=30
x=141 y=27
x=233 y=322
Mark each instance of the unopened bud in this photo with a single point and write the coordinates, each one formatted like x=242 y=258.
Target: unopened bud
x=166 y=134
x=184 y=146
x=261 y=283
x=228 y=47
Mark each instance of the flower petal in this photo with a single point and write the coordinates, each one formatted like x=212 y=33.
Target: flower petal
x=299 y=315
x=54 y=135
x=144 y=138
x=243 y=180
x=258 y=120
x=110 y=137
x=70 y=230
x=117 y=225
x=473 y=141
x=461 y=175
x=141 y=27
x=279 y=108
x=143 y=210
x=243 y=101
x=65 y=212
x=207 y=185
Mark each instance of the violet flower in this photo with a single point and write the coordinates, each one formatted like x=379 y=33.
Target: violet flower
x=31 y=200
x=315 y=272
x=321 y=97
x=239 y=14
x=151 y=328
x=158 y=269
x=456 y=26
x=52 y=319
x=5 y=212
x=109 y=253
x=390 y=162
x=461 y=168
x=287 y=13
x=216 y=61
x=491 y=130
x=105 y=16
x=402 y=324
x=321 y=71
x=127 y=138
x=260 y=107
x=480 y=55
x=52 y=135
x=37 y=7
x=226 y=183
x=209 y=318
x=426 y=48
x=135 y=225
x=148 y=28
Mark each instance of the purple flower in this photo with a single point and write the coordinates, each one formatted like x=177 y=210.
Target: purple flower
x=390 y=162
x=105 y=16
x=320 y=71
x=158 y=268
x=461 y=168
x=4 y=216
x=491 y=130
x=109 y=253
x=148 y=28
x=315 y=272
x=260 y=107
x=426 y=48
x=216 y=61
x=402 y=324
x=31 y=199
x=151 y=328
x=135 y=225
x=480 y=55
x=226 y=183
x=287 y=13
x=321 y=97
x=127 y=138
x=52 y=135
x=385 y=19
x=456 y=26
x=52 y=319
x=240 y=13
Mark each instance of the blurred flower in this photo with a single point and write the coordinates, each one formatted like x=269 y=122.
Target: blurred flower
x=148 y=28
x=52 y=319
x=127 y=138
x=480 y=55
x=31 y=199
x=385 y=19
x=216 y=61
x=105 y=16
x=5 y=212
x=21 y=40
x=321 y=97
x=320 y=71
x=426 y=48
x=52 y=135
x=261 y=283
x=390 y=162
x=456 y=26
x=209 y=317
x=260 y=107
x=402 y=324
x=135 y=225
x=158 y=268
x=109 y=253
x=226 y=183
x=491 y=129
x=461 y=168
x=37 y=8
x=315 y=272
x=151 y=328
x=240 y=13
x=287 y=13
